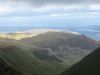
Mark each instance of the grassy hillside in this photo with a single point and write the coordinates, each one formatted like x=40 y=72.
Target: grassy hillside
x=17 y=36
x=90 y=65
x=26 y=62
x=5 y=69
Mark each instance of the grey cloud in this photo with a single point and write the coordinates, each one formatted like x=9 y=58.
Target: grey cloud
x=62 y=2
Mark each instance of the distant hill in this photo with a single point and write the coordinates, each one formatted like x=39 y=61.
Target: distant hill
x=49 y=39
x=90 y=65
x=66 y=46
x=24 y=34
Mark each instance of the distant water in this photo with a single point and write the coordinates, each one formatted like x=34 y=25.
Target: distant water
x=24 y=28
x=92 y=31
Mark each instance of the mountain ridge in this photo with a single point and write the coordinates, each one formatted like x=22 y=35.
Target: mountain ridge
x=46 y=53
x=63 y=44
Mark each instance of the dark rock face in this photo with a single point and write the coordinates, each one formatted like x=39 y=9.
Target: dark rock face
x=5 y=69
x=90 y=65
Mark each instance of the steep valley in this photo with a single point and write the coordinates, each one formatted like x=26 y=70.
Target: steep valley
x=48 y=53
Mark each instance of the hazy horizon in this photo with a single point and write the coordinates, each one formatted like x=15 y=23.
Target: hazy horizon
x=75 y=15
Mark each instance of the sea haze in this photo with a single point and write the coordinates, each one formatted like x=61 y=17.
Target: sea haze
x=92 y=31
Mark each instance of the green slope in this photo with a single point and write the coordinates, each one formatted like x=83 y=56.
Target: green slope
x=6 y=69
x=26 y=62
x=90 y=65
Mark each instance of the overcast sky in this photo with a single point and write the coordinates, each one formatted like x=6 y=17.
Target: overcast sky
x=48 y=12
